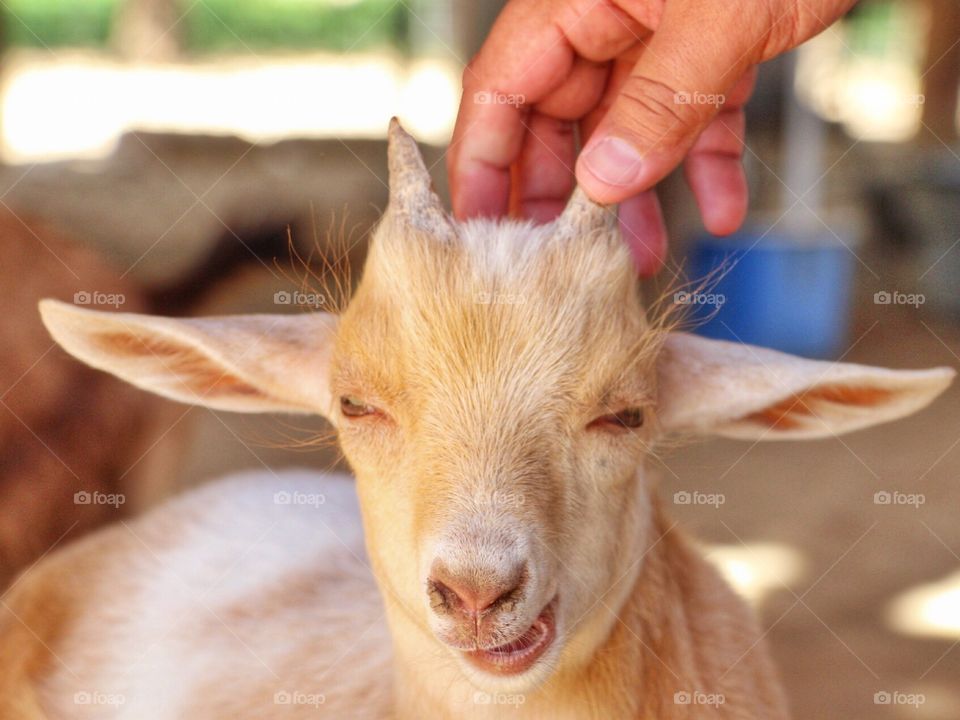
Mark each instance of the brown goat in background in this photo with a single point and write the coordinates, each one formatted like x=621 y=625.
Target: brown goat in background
x=64 y=428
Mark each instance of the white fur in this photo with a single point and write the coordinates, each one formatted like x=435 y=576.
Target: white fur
x=231 y=546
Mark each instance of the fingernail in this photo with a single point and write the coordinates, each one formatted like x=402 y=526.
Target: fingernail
x=613 y=161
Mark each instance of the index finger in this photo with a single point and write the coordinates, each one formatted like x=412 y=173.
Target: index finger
x=529 y=53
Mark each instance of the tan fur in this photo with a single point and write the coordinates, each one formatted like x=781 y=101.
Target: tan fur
x=483 y=354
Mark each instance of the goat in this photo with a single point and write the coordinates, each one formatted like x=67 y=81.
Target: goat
x=496 y=387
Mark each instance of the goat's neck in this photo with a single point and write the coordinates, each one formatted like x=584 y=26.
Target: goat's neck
x=628 y=675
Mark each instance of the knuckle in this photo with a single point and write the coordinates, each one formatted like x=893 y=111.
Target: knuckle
x=657 y=111
x=788 y=24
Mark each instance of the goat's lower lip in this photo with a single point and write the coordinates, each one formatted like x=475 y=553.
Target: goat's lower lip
x=520 y=654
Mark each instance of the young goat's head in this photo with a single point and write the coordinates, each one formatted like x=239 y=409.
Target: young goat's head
x=496 y=386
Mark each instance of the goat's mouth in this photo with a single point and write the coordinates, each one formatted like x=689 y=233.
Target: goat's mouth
x=521 y=653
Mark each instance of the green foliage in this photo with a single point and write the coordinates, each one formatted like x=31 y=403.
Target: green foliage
x=219 y=25
x=58 y=23
x=263 y=24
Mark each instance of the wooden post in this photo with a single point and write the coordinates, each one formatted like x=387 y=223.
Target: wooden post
x=941 y=72
x=472 y=21
x=148 y=30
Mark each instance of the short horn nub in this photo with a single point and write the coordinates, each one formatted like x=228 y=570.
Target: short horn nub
x=582 y=216
x=412 y=198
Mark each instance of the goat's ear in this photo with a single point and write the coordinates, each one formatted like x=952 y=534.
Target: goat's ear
x=244 y=363
x=712 y=387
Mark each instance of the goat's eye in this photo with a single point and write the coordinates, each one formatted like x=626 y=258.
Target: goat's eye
x=354 y=407
x=629 y=418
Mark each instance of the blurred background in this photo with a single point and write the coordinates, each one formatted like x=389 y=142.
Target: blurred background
x=194 y=157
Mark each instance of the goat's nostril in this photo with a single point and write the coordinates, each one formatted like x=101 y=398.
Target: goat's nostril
x=449 y=593
x=442 y=598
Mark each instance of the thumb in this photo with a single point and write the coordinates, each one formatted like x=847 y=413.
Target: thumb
x=672 y=93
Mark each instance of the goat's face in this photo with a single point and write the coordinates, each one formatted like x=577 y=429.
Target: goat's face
x=496 y=387
x=496 y=396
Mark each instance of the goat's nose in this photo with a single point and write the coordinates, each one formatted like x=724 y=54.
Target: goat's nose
x=474 y=592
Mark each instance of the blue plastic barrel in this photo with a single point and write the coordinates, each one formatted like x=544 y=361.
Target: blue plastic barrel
x=775 y=291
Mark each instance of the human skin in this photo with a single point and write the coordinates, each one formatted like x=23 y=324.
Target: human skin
x=616 y=74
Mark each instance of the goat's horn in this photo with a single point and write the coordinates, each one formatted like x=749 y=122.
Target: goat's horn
x=412 y=196
x=583 y=216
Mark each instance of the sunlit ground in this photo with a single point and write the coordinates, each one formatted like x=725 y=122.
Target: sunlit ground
x=79 y=104
x=931 y=610
x=758 y=569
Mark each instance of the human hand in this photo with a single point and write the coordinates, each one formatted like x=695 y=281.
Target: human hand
x=650 y=83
